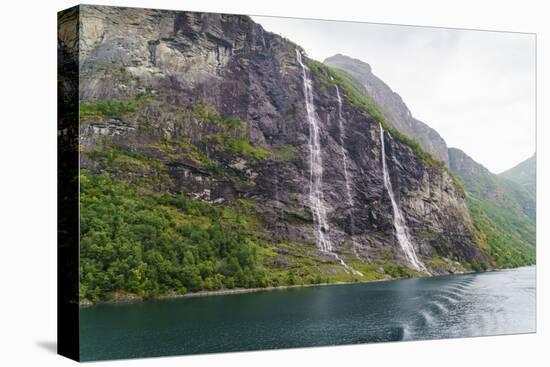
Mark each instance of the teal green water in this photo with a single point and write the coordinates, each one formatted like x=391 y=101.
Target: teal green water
x=501 y=302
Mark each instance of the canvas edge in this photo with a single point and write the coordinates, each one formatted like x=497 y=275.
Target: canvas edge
x=68 y=330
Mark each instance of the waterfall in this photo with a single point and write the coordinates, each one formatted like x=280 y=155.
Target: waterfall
x=401 y=230
x=349 y=195
x=316 y=196
x=262 y=37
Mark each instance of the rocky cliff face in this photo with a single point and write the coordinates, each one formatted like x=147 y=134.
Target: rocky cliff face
x=214 y=107
x=393 y=106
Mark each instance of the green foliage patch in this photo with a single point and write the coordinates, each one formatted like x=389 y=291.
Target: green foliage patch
x=135 y=166
x=508 y=238
x=231 y=136
x=207 y=113
x=135 y=241
x=284 y=153
x=238 y=146
x=151 y=244
x=109 y=108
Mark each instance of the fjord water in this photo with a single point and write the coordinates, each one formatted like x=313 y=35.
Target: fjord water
x=500 y=302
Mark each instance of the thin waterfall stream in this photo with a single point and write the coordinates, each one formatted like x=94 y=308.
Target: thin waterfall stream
x=401 y=230
x=349 y=195
x=316 y=196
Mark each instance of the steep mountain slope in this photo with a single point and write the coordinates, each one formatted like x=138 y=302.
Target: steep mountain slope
x=503 y=212
x=217 y=155
x=394 y=109
x=490 y=187
x=524 y=174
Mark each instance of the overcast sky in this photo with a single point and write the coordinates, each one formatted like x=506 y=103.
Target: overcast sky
x=476 y=88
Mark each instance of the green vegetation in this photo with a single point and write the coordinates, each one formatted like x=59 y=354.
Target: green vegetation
x=182 y=148
x=238 y=146
x=396 y=271
x=243 y=148
x=231 y=137
x=284 y=153
x=362 y=101
x=151 y=244
x=508 y=238
x=503 y=213
x=131 y=166
x=476 y=265
x=524 y=174
x=503 y=193
x=152 y=43
x=110 y=108
x=505 y=228
x=209 y=114
x=139 y=238
x=437 y=261
x=328 y=75
x=138 y=241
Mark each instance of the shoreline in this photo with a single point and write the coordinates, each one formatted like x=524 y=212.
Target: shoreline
x=225 y=292
x=222 y=292
x=132 y=298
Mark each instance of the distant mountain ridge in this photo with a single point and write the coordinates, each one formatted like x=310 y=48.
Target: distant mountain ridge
x=483 y=184
x=503 y=212
x=524 y=174
x=502 y=207
x=393 y=107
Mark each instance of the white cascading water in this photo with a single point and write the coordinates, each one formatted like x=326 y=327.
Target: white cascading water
x=349 y=195
x=316 y=197
x=262 y=37
x=401 y=230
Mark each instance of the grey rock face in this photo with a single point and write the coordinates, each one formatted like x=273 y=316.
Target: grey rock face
x=461 y=162
x=234 y=67
x=394 y=108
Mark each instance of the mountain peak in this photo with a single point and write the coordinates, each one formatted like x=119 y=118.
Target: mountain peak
x=393 y=107
x=524 y=174
x=459 y=161
x=343 y=59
